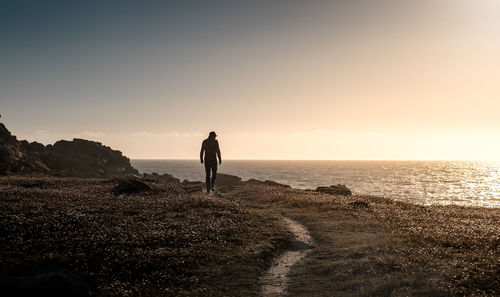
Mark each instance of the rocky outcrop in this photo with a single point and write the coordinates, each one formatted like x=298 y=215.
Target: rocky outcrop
x=227 y=180
x=192 y=186
x=19 y=156
x=131 y=186
x=86 y=158
x=335 y=190
x=266 y=183
x=157 y=177
x=79 y=157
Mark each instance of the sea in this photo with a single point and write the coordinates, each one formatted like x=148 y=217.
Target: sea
x=423 y=182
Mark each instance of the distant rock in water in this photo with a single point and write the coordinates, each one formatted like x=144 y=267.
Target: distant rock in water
x=335 y=190
x=82 y=158
x=131 y=186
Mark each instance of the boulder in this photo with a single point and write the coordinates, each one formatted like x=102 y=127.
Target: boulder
x=335 y=190
x=131 y=186
x=192 y=187
x=170 y=178
x=157 y=177
x=225 y=180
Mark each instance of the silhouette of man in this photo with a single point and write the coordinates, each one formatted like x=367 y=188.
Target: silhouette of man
x=210 y=147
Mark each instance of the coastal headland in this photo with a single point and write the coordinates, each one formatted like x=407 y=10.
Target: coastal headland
x=152 y=235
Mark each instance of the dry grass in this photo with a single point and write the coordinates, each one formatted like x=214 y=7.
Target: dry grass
x=169 y=243
x=462 y=243
x=391 y=248
x=160 y=243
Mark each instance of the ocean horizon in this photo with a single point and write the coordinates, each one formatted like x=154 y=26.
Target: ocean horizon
x=467 y=183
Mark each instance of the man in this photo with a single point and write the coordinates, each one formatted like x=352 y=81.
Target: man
x=210 y=147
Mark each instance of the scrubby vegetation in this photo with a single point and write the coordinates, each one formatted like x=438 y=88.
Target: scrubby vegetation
x=158 y=243
x=391 y=248
x=167 y=241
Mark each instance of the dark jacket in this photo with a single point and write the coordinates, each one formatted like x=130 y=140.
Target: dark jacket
x=211 y=148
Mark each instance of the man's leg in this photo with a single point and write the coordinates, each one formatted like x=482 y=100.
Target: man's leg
x=214 y=175
x=207 y=176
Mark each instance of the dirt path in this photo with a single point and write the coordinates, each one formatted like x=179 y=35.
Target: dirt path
x=275 y=281
x=386 y=248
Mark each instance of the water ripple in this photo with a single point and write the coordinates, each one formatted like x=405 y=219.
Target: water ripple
x=425 y=182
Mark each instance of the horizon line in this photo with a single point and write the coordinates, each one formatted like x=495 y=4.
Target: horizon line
x=234 y=159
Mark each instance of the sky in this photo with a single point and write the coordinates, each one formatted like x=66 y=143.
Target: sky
x=325 y=80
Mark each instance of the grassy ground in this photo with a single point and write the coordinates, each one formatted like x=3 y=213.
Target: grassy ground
x=161 y=243
x=390 y=248
x=169 y=243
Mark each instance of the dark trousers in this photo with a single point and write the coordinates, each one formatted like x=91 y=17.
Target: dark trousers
x=210 y=166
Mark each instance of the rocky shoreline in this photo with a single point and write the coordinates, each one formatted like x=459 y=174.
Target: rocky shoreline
x=111 y=231
x=167 y=240
x=85 y=158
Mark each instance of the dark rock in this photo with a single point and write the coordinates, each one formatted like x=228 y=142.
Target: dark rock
x=225 y=180
x=335 y=190
x=156 y=177
x=79 y=157
x=5 y=135
x=131 y=186
x=266 y=183
x=87 y=159
x=149 y=177
x=13 y=154
x=275 y=184
x=254 y=181
x=192 y=187
x=46 y=281
x=35 y=147
x=170 y=178
x=358 y=205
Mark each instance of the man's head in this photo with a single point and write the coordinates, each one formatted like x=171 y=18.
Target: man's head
x=212 y=135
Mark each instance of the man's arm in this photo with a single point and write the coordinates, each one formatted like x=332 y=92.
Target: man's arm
x=202 y=150
x=218 y=153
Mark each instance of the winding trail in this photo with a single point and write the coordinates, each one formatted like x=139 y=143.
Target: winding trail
x=275 y=281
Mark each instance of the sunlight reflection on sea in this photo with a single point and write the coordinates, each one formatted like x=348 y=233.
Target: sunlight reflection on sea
x=424 y=182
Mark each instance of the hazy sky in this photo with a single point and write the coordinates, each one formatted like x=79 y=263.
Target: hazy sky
x=349 y=79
